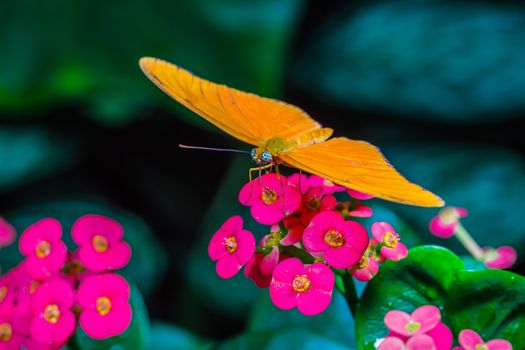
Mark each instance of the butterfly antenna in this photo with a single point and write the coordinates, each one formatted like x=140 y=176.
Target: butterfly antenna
x=213 y=149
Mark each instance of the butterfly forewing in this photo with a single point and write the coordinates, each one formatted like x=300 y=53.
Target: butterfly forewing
x=248 y=117
x=361 y=166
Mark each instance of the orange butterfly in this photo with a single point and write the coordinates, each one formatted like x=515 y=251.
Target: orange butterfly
x=285 y=134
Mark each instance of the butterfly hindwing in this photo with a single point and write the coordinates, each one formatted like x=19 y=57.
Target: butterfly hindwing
x=361 y=166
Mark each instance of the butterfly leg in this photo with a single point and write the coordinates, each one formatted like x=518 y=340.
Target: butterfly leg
x=260 y=168
x=282 y=186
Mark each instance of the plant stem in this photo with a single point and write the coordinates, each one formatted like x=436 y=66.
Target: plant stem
x=73 y=342
x=295 y=252
x=345 y=285
x=468 y=242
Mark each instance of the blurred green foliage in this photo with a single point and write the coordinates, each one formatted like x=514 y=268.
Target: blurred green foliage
x=88 y=51
x=440 y=60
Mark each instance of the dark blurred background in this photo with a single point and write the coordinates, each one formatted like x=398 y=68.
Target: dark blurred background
x=439 y=86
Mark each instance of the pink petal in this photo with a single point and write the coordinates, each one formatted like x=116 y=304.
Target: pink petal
x=379 y=229
x=295 y=231
x=505 y=257
x=468 y=339
x=397 y=321
x=245 y=246
x=250 y=192
x=55 y=292
x=282 y=294
x=110 y=285
x=267 y=214
x=421 y=342
x=321 y=277
x=227 y=266
x=428 y=315
x=441 y=229
x=442 y=336
x=112 y=324
x=395 y=254
x=314 y=301
x=367 y=273
x=46 y=332
x=392 y=343
x=47 y=229
x=499 y=344
x=359 y=195
x=361 y=211
x=461 y=212
x=287 y=270
x=313 y=239
x=269 y=262
x=7 y=233
x=342 y=257
x=216 y=247
x=292 y=199
x=233 y=224
x=88 y=226
x=252 y=271
x=300 y=181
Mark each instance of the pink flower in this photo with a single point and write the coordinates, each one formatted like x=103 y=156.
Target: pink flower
x=270 y=198
x=361 y=211
x=7 y=294
x=232 y=247
x=470 y=340
x=444 y=224
x=7 y=233
x=499 y=258
x=42 y=245
x=313 y=202
x=365 y=269
x=392 y=248
x=417 y=342
x=359 y=195
x=9 y=339
x=328 y=186
x=294 y=230
x=260 y=267
x=53 y=321
x=422 y=320
x=105 y=305
x=441 y=335
x=341 y=242
x=307 y=287
x=300 y=181
x=101 y=247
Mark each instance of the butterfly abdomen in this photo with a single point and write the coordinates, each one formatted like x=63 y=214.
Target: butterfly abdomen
x=312 y=137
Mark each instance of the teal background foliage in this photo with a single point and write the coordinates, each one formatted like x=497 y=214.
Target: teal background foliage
x=438 y=85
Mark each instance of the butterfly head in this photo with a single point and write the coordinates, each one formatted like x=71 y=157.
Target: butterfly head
x=261 y=157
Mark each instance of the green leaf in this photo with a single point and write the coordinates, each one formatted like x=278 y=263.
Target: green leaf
x=137 y=336
x=491 y=302
x=168 y=337
x=29 y=153
x=148 y=262
x=489 y=182
x=231 y=42
x=424 y=277
x=448 y=60
x=335 y=323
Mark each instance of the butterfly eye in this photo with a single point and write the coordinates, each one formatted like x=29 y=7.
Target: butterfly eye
x=254 y=153
x=266 y=156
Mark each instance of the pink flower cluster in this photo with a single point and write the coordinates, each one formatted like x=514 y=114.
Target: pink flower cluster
x=447 y=224
x=41 y=298
x=311 y=234
x=423 y=330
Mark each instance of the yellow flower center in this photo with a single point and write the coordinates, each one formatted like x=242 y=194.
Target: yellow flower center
x=33 y=286
x=334 y=238
x=482 y=347
x=231 y=244
x=269 y=196
x=100 y=243
x=301 y=283
x=43 y=249
x=52 y=313
x=272 y=240
x=103 y=305
x=3 y=293
x=390 y=239
x=412 y=326
x=362 y=263
x=6 y=331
